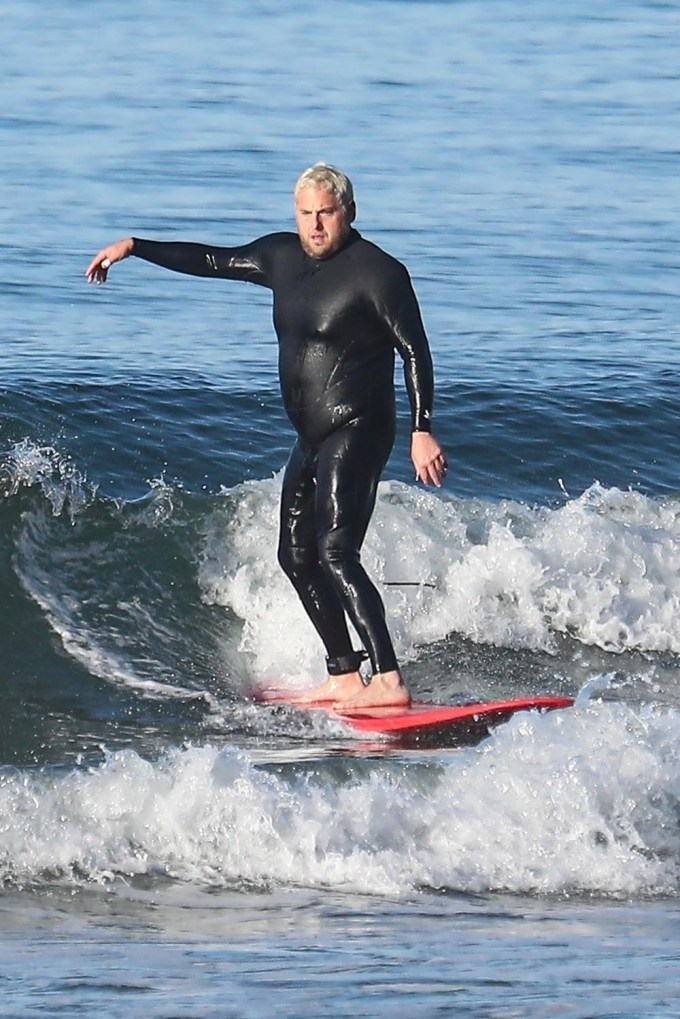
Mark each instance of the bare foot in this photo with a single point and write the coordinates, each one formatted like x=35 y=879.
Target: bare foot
x=335 y=688
x=386 y=690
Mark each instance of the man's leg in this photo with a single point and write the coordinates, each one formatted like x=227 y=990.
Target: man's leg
x=299 y=558
x=349 y=467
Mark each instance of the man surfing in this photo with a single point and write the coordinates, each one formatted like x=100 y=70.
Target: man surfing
x=342 y=306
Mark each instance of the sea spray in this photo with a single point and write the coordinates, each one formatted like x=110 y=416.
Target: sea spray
x=603 y=568
x=172 y=586
x=575 y=802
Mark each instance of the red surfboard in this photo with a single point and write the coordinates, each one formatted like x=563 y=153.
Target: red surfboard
x=425 y=722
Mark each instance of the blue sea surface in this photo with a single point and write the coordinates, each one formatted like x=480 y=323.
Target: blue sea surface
x=167 y=846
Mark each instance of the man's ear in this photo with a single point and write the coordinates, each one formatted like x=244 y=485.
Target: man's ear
x=352 y=212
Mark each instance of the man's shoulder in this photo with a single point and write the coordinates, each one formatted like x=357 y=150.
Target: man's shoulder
x=373 y=254
x=382 y=273
x=282 y=239
x=274 y=251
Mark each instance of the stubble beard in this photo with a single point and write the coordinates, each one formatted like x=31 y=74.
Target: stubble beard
x=326 y=252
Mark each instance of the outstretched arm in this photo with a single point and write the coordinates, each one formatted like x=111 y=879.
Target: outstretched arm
x=247 y=262
x=98 y=269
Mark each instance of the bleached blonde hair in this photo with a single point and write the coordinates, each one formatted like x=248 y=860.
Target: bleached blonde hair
x=328 y=178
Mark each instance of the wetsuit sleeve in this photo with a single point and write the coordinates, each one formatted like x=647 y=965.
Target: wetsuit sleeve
x=249 y=262
x=405 y=323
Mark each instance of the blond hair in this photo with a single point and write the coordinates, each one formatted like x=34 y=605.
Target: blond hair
x=326 y=177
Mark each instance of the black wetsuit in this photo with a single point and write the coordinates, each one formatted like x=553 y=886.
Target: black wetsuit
x=338 y=321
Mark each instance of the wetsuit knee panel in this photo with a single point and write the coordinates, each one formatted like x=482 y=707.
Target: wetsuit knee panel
x=294 y=560
x=336 y=547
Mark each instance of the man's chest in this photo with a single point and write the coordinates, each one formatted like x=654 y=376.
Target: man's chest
x=318 y=301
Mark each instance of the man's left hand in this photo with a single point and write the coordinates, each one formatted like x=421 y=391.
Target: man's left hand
x=428 y=459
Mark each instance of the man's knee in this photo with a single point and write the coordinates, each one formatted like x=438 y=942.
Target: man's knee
x=295 y=560
x=337 y=551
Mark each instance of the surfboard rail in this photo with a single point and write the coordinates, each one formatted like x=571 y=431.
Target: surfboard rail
x=423 y=718
x=422 y=714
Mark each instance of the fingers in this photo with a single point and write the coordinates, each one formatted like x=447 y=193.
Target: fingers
x=434 y=472
x=438 y=471
x=98 y=268
x=428 y=458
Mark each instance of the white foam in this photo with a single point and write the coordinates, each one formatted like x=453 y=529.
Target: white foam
x=604 y=568
x=239 y=570
x=577 y=801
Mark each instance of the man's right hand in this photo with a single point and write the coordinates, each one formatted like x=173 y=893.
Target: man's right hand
x=98 y=269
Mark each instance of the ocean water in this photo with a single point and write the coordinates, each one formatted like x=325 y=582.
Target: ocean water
x=167 y=846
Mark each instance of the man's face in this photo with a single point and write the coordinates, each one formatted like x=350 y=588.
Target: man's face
x=322 y=222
